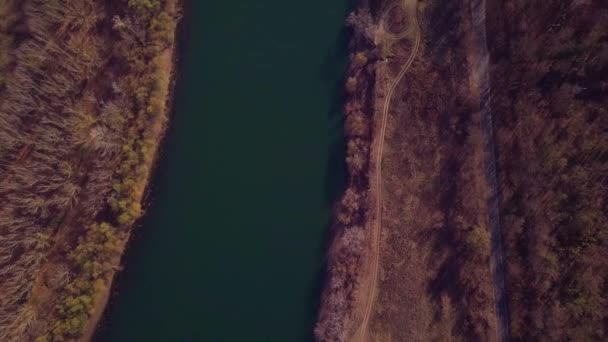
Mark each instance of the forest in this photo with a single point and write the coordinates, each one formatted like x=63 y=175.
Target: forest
x=349 y=234
x=83 y=88
x=550 y=101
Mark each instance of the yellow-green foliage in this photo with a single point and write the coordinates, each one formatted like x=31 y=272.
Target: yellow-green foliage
x=351 y=85
x=147 y=90
x=360 y=59
x=144 y=4
x=92 y=260
x=95 y=253
x=478 y=241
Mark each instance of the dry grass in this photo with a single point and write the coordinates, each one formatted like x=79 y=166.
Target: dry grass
x=549 y=79
x=435 y=278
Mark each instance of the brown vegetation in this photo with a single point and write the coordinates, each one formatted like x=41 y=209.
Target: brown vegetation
x=550 y=71
x=81 y=111
x=336 y=321
x=435 y=281
x=9 y=19
x=444 y=215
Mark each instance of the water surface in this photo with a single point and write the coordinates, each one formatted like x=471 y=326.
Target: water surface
x=232 y=246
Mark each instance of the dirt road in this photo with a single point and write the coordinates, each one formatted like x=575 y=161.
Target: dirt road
x=483 y=88
x=361 y=333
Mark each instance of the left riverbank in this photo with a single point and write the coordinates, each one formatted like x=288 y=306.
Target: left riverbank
x=166 y=73
x=79 y=143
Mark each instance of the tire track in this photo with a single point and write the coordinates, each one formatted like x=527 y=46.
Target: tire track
x=361 y=333
x=497 y=263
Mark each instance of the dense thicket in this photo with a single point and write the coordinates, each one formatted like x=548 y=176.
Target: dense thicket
x=550 y=79
x=336 y=322
x=42 y=138
x=80 y=112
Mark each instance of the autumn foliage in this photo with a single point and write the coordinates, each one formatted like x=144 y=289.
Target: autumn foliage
x=551 y=105
x=77 y=140
x=350 y=235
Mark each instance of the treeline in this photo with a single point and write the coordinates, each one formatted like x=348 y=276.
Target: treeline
x=552 y=134
x=77 y=139
x=344 y=266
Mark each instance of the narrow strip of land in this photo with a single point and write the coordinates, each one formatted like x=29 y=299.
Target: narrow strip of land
x=360 y=335
x=497 y=263
x=483 y=90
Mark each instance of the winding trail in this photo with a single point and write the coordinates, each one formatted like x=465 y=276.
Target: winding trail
x=361 y=333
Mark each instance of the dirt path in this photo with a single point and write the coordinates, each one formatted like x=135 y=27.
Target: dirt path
x=361 y=333
x=497 y=262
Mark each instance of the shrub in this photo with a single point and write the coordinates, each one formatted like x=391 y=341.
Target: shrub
x=360 y=60
x=357 y=125
x=96 y=158
x=357 y=154
x=349 y=206
x=351 y=85
x=478 y=242
x=142 y=5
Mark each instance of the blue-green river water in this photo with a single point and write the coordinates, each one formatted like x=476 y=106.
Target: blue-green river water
x=232 y=247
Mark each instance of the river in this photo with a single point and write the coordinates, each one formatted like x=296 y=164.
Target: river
x=232 y=246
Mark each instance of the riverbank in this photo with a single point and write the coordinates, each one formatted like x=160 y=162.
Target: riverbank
x=342 y=305
x=426 y=238
x=433 y=267
x=167 y=74
x=486 y=228
x=223 y=214
x=70 y=207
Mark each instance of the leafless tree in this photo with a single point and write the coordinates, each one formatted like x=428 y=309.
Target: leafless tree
x=362 y=21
